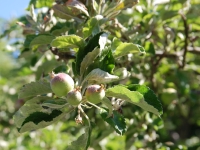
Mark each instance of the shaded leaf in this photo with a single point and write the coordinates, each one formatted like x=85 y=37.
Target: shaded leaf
x=67 y=12
x=88 y=60
x=150 y=48
x=41 y=40
x=93 y=43
x=122 y=73
x=82 y=143
x=78 y=5
x=109 y=105
x=110 y=9
x=28 y=40
x=106 y=61
x=55 y=103
x=114 y=8
x=117 y=121
x=47 y=67
x=127 y=4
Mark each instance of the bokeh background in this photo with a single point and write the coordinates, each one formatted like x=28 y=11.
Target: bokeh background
x=171 y=68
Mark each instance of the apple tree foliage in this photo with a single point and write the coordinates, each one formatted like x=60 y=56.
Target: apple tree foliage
x=142 y=53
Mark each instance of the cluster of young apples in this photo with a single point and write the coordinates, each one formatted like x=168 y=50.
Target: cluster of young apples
x=63 y=85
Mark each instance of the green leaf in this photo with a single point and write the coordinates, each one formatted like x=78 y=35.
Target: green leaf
x=133 y=97
x=93 y=43
x=28 y=40
x=112 y=9
x=100 y=76
x=148 y=94
x=88 y=60
x=106 y=61
x=32 y=115
x=168 y=14
x=82 y=143
x=92 y=26
x=41 y=40
x=34 y=89
x=41 y=3
x=47 y=67
x=68 y=41
x=108 y=104
x=150 y=48
x=117 y=121
x=122 y=73
x=79 y=6
x=60 y=31
x=127 y=4
x=127 y=48
x=55 y=103
x=67 y=12
x=115 y=43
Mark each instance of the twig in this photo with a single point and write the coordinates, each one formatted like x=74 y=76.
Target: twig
x=186 y=31
x=94 y=105
x=84 y=114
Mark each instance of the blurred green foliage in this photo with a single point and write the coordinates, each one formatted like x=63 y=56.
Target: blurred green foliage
x=169 y=31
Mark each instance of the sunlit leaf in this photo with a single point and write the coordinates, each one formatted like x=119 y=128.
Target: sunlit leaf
x=41 y=3
x=68 y=41
x=100 y=76
x=35 y=88
x=133 y=97
x=92 y=26
x=103 y=40
x=148 y=94
x=115 y=43
x=127 y=48
x=32 y=115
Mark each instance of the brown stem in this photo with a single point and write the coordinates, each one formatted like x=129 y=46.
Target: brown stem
x=186 y=31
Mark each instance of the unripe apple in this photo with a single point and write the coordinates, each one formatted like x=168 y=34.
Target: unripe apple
x=74 y=97
x=95 y=93
x=61 y=84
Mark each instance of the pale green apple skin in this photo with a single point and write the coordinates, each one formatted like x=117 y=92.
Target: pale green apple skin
x=61 y=84
x=74 y=97
x=95 y=94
